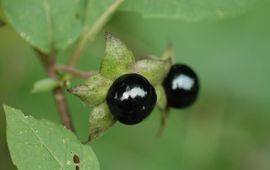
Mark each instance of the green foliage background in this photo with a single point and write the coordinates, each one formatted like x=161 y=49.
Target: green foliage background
x=227 y=129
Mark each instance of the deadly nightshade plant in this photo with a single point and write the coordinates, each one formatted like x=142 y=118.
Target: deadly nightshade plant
x=120 y=61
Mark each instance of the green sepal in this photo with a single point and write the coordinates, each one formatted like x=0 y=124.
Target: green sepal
x=100 y=120
x=162 y=106
x=169 y=53
x=153 y=69
x=118 y=58
x=161 y=97
x=93 y=91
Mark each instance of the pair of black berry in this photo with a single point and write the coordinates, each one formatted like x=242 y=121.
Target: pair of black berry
x=131 y=98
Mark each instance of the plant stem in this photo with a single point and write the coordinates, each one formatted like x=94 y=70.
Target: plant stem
x=90 y=34
x=74 y=72
x=62 y=108
x=48 y=62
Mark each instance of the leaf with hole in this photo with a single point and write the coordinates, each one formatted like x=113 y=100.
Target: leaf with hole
x=41 y=144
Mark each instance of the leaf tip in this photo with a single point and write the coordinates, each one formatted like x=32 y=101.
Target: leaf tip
x=10 y=111
x=6 y=107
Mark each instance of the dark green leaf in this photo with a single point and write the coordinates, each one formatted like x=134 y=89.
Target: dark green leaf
x=46 y=24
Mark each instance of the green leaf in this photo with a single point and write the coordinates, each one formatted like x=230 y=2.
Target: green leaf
x=57 y=24
x=93 y=91
x=118 y=58
x=44 y=85
x=191 y=10
x=46 y=24
x=100 y=120
x=41 y=144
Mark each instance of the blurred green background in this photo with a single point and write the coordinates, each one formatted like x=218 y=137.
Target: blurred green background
x=228 y=127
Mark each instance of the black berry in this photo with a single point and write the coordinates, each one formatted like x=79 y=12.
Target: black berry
x=181 y=86
x=131 y=98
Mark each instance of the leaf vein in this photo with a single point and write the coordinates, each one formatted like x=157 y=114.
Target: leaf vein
x=43 y=144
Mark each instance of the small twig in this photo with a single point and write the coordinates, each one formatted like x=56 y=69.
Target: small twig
x=48 y=61
x=75 y=72
x=62 y=108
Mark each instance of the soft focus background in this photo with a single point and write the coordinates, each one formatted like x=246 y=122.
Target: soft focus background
x=228 y=127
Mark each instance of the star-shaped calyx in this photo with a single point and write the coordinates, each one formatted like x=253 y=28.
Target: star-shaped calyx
x=118 y=60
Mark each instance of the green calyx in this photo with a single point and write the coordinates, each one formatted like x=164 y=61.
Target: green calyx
x=93 y=91
x=100 y=120
x=118 y=60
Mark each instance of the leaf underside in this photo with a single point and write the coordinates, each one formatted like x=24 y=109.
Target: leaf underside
x=52 y=26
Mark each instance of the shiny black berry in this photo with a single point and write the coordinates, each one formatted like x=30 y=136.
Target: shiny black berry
x=181 y=86
x=131 y=98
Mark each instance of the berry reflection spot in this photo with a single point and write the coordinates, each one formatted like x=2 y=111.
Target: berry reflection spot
x=133 y=93
x=182 y=82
